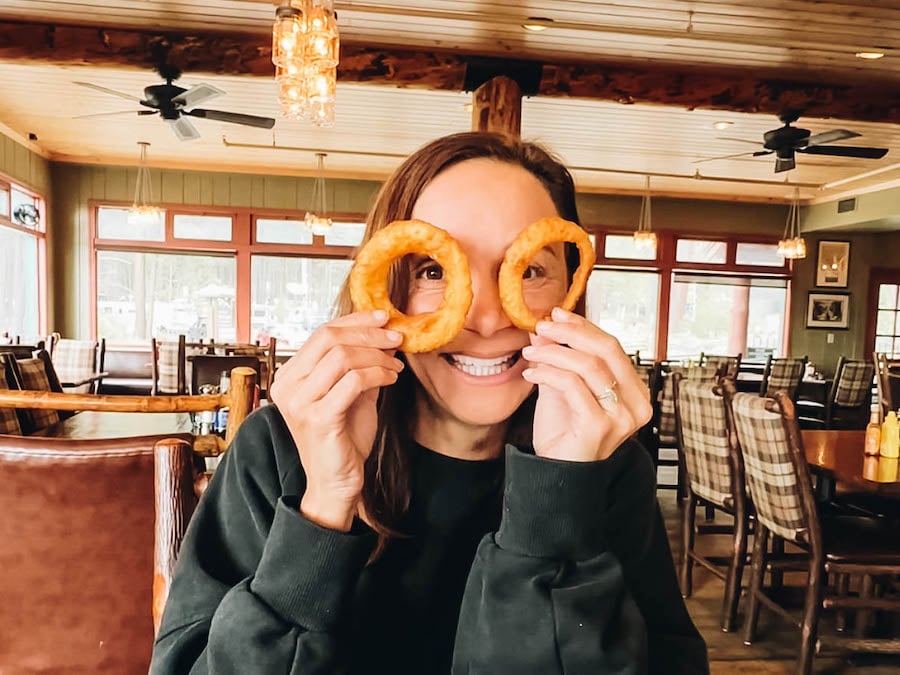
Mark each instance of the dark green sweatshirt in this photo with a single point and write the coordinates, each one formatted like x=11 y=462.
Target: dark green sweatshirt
x=514 y=565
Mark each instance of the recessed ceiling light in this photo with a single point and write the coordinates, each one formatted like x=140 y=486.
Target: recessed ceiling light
x=723 y=124
x=871 y=56
x=537 y=23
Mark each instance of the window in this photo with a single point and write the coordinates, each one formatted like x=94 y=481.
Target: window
x=22 y=230
x=163 y=295
x=725 y=315
x=623 y=246
x=223 y=274
x=887 y=329
x=625 y=303
x=291 y=297
x=701 y=251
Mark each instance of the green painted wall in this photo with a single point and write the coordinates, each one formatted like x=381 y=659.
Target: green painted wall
x=23 y=165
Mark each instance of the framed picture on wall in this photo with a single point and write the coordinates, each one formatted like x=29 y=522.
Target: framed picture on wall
x=828 y=310
x=832 y=264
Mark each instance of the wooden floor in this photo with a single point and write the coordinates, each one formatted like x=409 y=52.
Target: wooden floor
x=774 y=652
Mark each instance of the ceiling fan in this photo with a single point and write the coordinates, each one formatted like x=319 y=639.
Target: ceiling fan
x=785 y=141
x=173 y=103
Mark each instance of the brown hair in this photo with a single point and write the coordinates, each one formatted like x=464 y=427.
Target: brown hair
x=386 y=490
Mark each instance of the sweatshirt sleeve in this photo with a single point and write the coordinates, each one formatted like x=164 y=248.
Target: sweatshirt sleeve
x=578 y=577
x=257 y=587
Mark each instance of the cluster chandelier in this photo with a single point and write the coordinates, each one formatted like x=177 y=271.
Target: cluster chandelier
x=792 y=246
x=317 y=220
x=305 y=48
x=143 y=212
x=644 y=236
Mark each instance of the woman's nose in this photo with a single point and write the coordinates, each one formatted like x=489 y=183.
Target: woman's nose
x=486 y=315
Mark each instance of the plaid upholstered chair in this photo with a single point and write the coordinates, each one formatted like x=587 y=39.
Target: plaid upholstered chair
x=887 y=382
x=768 y=436
x=714 y=473
x=665 y=417
x=168 y=366
x=847 y=405
x=77 y=364
x=728 y=366
x=782 y=375
x=37 y=374
x=9 y=420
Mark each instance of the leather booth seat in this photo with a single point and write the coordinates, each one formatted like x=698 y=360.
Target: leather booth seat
x=76 y=559
x=130 y=371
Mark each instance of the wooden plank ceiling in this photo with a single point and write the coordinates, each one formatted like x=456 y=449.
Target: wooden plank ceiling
x=681 y=67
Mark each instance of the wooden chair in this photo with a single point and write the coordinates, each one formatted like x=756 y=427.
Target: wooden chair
x=665 y=418
x=168 y=367
x=782 y=374
x=766 y=432
x=265 y=354
x=36 y=374
x=728 y=366
x=9 y=420
x=847 y=405
x=208 y=368
x=714 y=473
x=78 y=364
x=887 y=382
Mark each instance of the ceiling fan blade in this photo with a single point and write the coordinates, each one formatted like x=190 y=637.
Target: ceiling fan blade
x=737 y=140
x=184 y=129
x=712 y=159
x=115 y=112
x=197 y=94
x=845 y=151
x=784 y=164
x=234 y=118
x=97 y=87
x=830 y=137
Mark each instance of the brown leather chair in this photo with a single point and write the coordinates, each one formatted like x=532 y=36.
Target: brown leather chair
x=77 y=526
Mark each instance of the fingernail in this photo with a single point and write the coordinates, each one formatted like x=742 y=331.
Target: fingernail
x=394 y=336
x=528 y=352
x=400 y=365
x=379 y=315
x=559 y=314
x=528 y=373
x=543 y=328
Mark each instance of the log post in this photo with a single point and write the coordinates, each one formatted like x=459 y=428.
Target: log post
x=497 y=107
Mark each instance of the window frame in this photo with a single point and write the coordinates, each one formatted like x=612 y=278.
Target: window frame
x=242 y=246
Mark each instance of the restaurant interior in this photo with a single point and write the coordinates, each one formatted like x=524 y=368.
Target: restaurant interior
x=179 y=209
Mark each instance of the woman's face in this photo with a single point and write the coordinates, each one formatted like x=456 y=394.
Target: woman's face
x=484 y=204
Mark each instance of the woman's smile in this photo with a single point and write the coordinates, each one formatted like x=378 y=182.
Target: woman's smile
x=485 y=369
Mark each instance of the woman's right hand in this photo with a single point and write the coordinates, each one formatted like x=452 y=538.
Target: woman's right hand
x=326 y=394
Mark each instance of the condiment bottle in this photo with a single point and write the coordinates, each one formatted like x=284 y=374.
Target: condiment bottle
x=890 y=436
x=873 y=431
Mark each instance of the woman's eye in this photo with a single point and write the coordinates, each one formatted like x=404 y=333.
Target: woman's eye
x=533 y=272
x=433 y=272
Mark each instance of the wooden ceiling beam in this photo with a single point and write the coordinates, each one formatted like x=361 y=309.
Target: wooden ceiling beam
x=749 y=90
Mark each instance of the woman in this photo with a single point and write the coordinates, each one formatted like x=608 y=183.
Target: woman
x=378 y=517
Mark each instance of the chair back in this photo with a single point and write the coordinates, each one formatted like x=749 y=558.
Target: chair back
x=36 y=374
x=21 y=351
x=77 y=526
x=167 y=367
x=852 y=386
x=76 y=361
x=9 y=420
x=887 y=382
x=782 y=375
x=265 y=354
x=766 y=432
x=666 y=399
x=728 y=366
x=715 y=472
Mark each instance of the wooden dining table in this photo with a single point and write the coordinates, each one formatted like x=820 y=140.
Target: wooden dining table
x=836 y=456
x=90 y=424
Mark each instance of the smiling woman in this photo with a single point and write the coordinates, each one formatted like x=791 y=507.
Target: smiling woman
x=426 y=512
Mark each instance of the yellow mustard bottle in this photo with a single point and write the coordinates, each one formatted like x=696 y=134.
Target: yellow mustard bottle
x=890 y=436
x=873 y=431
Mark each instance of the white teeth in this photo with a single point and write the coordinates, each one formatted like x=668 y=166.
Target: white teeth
x=481 y=367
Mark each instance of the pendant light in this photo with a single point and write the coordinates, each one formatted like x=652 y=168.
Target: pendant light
x=644 y=236
x=792 y=246
x=143 y=212
x=317 y=220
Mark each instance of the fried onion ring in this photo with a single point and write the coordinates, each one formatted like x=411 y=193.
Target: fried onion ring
x=531 y=240
x=369 y=279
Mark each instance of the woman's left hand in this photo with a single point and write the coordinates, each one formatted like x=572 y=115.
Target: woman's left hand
x=575 y=364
